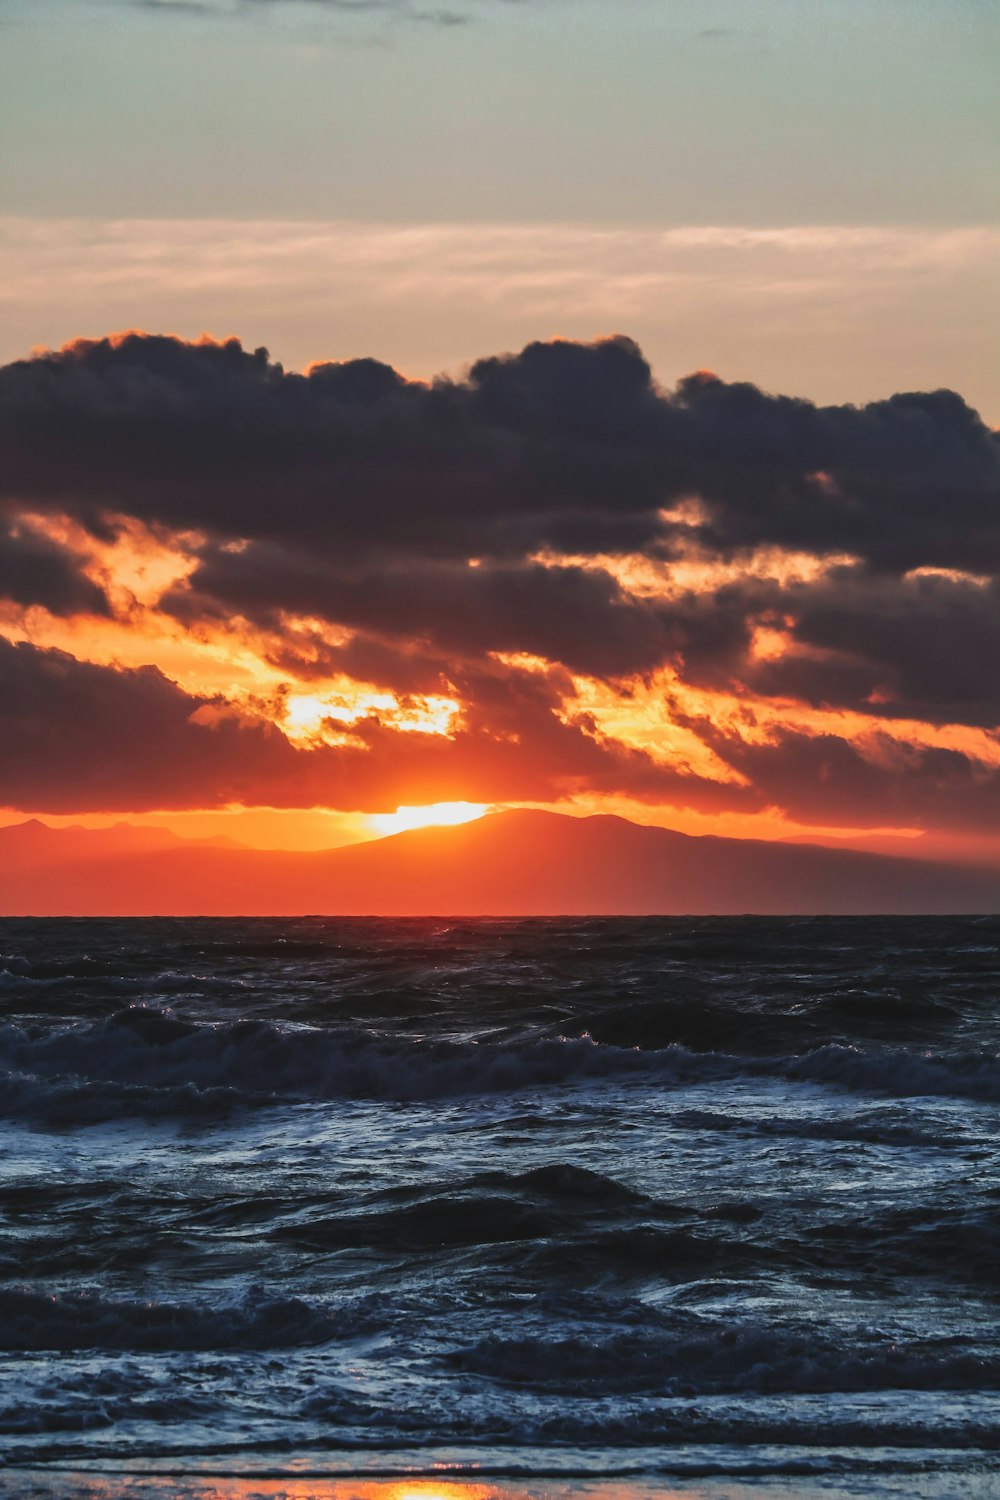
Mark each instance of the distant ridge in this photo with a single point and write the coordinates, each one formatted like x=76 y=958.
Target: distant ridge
x=518 y=863
x=34 y=843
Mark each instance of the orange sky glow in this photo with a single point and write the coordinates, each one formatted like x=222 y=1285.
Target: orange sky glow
x=233 y=659
x=236 y=661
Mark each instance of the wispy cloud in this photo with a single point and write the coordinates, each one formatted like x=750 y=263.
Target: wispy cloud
x=182 y=7
x=409 y=10
x=799 y=307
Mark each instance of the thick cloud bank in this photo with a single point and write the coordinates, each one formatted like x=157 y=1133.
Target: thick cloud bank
x=569 y=446
x=551 y=518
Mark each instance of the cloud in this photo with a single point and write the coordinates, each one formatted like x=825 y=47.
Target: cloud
x=816 y=778
x=80 y=737
x=404 y=509
x=841 y=313
x=86 y=738
x=407 y=10
x=564 y=445
x=579 y=618
x=178 y=7
x=552 y=519
x=921 y=647
x=36 y=570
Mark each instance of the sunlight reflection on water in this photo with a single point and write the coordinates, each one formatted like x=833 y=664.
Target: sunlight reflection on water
x=148 y=1487
x=973 y=1484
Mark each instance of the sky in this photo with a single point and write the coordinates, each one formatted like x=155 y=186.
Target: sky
x=588 y=404
x=799 y=194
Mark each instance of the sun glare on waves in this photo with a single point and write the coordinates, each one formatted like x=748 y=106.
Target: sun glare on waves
x=434 y=815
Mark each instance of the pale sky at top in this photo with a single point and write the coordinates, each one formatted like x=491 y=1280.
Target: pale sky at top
x=651 y=111
x=643 y=115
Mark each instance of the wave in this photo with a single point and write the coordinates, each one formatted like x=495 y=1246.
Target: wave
x=900 y=1073
x=963 y=1245
x=560 y=1226
x=547 y=1203
x=704 y=1020
x=723 y=1360
x=870 y=1130
x=65 y=1321
x=565 y=1381
x=739 y=985
x=144 y=1060
x=147 y=1061
x=566 y=1225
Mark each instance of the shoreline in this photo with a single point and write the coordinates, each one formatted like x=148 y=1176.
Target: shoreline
x=941 y=1481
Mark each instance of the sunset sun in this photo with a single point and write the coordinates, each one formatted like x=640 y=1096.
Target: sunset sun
x=434 y=815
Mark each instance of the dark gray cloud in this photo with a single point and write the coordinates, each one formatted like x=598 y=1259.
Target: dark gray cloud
x=35 y=570
x=78 y=737
x=578 y=617
x=825 y=778
x=922 y=647
x=565 y=445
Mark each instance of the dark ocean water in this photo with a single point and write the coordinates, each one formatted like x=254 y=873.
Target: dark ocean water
x=667 y=1197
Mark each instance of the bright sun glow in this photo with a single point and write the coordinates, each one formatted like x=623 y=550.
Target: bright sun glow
x=310 y=718
x=436 y=814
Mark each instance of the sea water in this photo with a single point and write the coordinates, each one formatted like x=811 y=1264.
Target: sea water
x=672 y=1204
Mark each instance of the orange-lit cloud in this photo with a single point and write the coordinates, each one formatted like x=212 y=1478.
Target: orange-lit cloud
x=549 y=584
x=311 y=719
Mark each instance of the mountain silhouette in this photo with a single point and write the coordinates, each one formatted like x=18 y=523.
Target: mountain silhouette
x=34 y=843
x=518 y=863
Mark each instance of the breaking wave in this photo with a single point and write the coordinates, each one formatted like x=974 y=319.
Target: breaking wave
x=148 y=1061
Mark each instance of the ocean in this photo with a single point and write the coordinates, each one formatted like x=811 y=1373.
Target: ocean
x=695 y=1207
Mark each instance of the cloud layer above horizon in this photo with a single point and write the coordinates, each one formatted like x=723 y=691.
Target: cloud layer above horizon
x=835 y=313
x=224 y=583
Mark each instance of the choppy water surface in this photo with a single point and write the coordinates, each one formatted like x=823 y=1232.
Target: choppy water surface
x=676 y=1198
